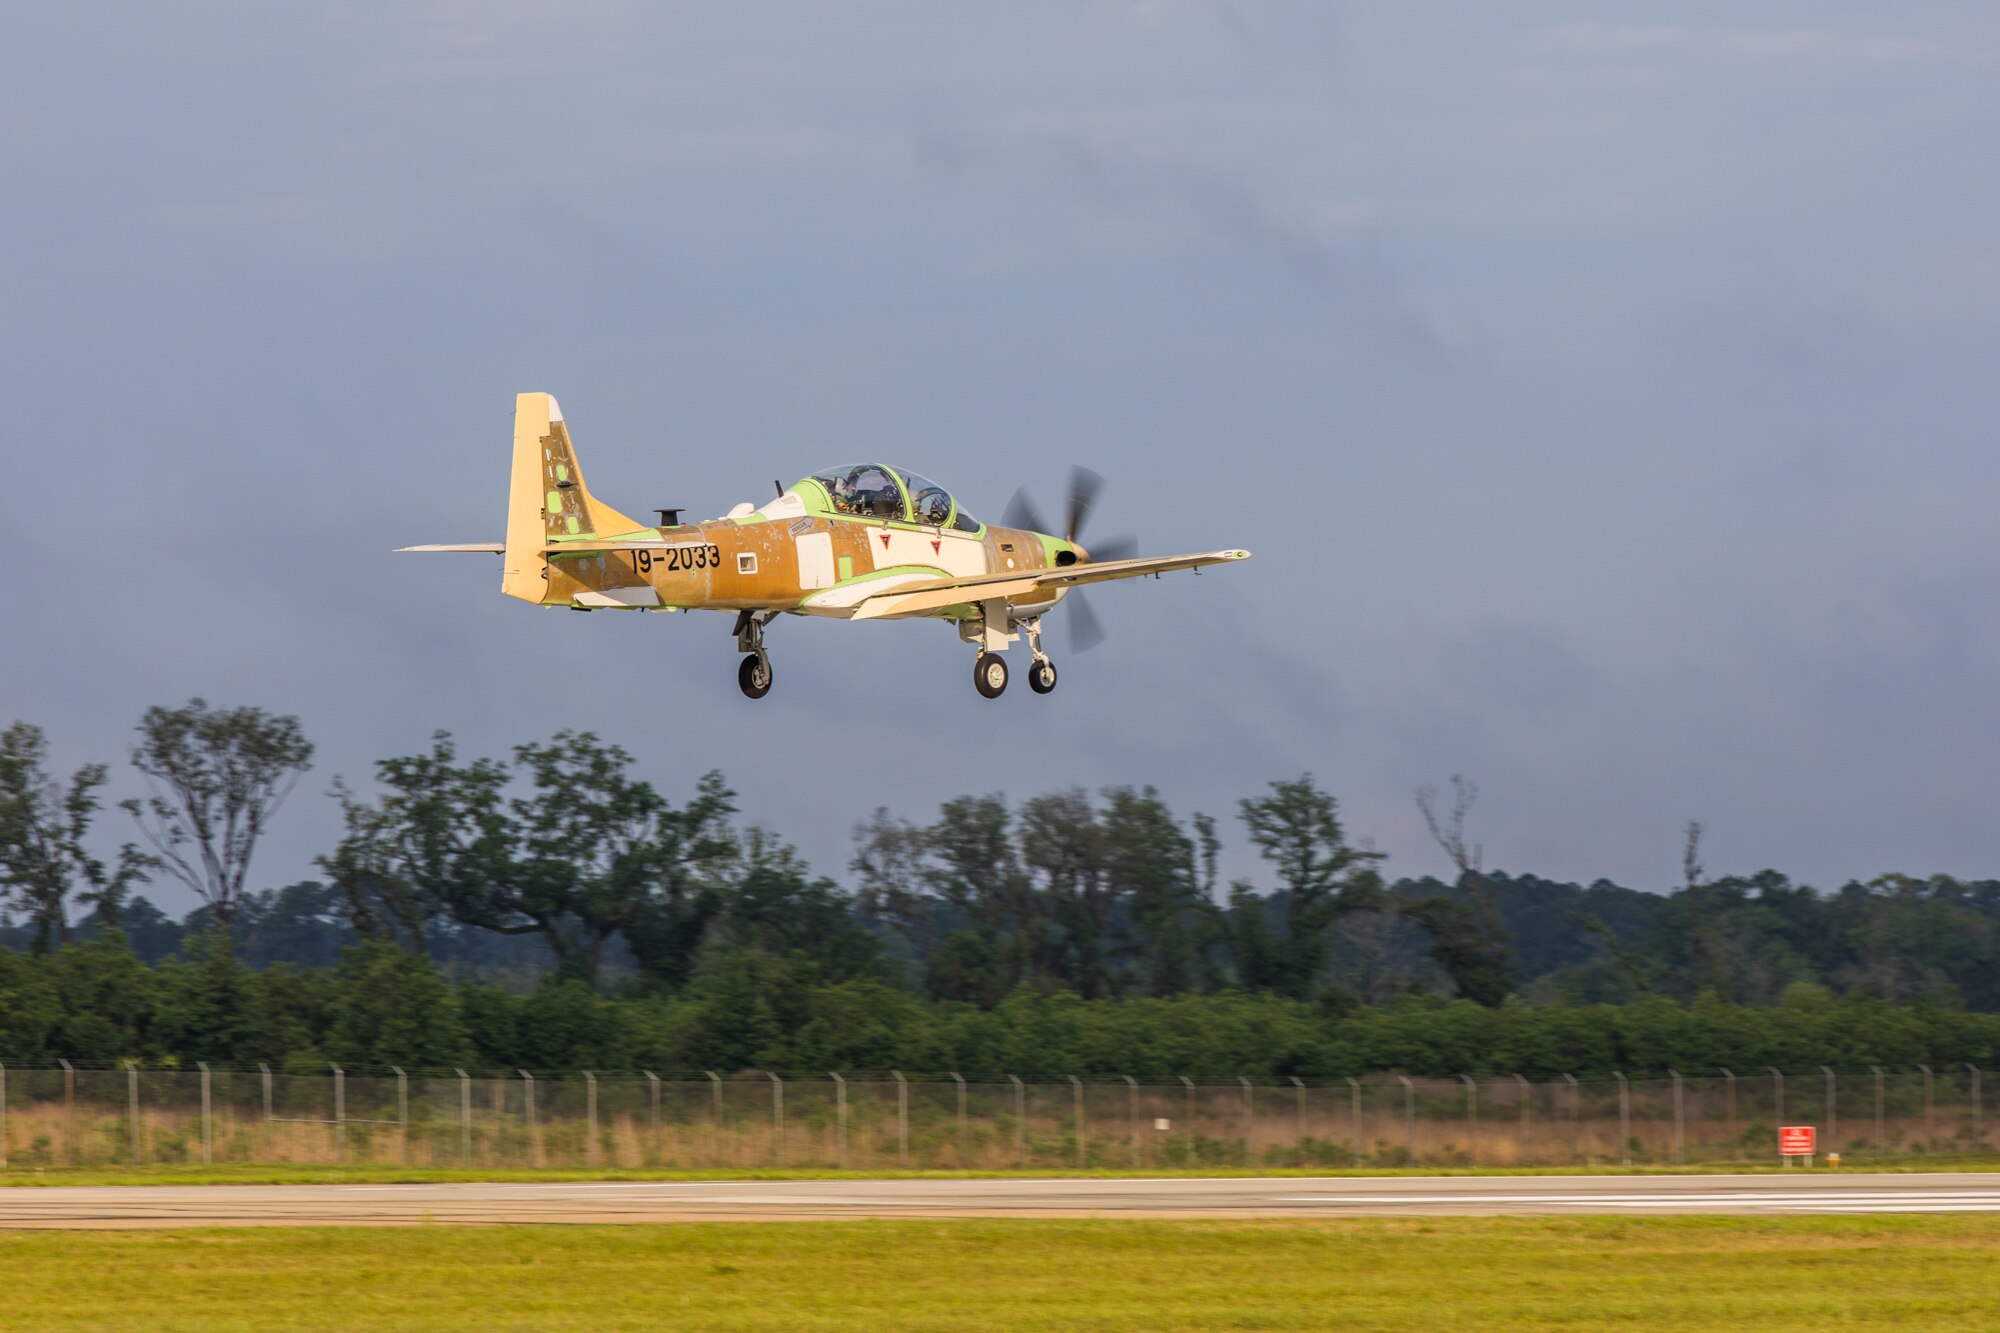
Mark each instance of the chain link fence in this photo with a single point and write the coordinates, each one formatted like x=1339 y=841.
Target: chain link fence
x=75 y=1116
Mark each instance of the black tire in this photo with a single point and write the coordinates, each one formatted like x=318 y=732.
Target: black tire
x=753 y=676
x=989 y=675
x=1042 y=676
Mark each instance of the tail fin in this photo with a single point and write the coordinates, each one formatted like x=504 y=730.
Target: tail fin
x=547 y=497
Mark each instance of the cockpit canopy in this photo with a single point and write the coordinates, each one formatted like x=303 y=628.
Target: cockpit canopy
x=897 y=495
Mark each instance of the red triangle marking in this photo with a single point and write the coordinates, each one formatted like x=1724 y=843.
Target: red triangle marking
x=937 y=546
x=885 y=541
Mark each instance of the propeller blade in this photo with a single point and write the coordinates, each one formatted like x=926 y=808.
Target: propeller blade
x=1021 y=513
x=1115 y=548
x=1083 y=488
x=1085 y=630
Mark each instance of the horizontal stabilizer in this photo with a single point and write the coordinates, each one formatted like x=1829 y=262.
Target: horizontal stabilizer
x=606 y=545
x=485 y=548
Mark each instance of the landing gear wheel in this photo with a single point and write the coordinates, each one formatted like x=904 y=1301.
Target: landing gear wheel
x=989 y=675
x=1042 y=676
x=754 y=675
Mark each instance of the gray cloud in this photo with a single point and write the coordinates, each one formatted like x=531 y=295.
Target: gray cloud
x=1609 y=406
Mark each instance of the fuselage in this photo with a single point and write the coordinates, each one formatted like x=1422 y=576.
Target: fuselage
x=798 y=553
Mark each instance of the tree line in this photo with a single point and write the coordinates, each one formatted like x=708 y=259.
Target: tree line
x=553 y=907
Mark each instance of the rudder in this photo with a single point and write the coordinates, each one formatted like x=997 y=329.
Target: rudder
x=546 y=498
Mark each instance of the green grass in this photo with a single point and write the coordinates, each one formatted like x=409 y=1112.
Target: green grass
x=246 y=1174
x=1929 y=1273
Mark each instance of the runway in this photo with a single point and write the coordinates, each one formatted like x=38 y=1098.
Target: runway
x=1285 y=1197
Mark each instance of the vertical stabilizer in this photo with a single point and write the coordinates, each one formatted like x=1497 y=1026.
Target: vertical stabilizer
x=546 y=499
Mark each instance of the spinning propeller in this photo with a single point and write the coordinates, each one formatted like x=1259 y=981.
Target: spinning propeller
x=1085 y=630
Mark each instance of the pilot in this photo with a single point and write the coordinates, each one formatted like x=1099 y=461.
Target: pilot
x=933 y=507
x=846 y=497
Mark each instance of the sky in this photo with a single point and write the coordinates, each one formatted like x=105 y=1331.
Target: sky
x=1607 y=392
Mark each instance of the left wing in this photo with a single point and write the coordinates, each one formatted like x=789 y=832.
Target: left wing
x=911 y=598
x=488 y=548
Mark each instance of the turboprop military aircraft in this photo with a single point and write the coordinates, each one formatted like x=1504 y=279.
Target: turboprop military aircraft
x=864 y=542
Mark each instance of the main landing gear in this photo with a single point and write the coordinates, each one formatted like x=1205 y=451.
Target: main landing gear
x=753 y=676
x=989 y=669
x=989 y=675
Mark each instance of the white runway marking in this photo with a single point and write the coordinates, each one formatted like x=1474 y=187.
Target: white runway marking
x=1818 y=1201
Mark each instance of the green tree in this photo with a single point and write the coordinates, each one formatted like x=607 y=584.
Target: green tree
x=215 y=778
x=392 y=1008
x=44 y=856
x=1297 y=829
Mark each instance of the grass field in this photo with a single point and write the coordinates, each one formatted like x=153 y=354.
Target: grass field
x=1928 y=1273
x=309 y=1174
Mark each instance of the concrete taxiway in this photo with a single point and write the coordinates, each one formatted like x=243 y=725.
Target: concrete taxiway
x=1279 y=1197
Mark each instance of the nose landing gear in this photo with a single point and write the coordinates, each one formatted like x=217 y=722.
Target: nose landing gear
x=753 y=675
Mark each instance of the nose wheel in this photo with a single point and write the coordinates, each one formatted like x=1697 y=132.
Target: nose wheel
x=753 y=674
x=1042 y=676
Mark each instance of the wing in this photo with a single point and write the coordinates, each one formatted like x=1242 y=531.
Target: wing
x=911 y=598
x=488 y=548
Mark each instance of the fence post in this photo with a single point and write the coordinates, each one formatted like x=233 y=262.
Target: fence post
x=1471 y=1120
x=1729 y=1099
x=1409 y=1121
x=3 y=1113
x=1249 y=1118
x=528 y=1112
x=1076 y=1097
x=69 y=1112
x=1194 y=1146
x=1527 y=1101
x=402 y=1114
x=959 y=1079
x=341 y=1111
x=590 y=1117
x=1624 y=1118
x=902 y=1119
x=464 y=1117
x=653 y=1103
x=1832 y=1110
x=840 y=1120
x=715 y=1082
x=1881 y=1144
x=1978 y=1130
x=1354 y=1112
x=1132 y=1113
x=132 y=1106
x=264 y=1073
x=207 y=1136
x=777 y=1117
x=1575 y=1118
x=1778 y=1091
x=1930 y=1112
x=1680 y=1121
x=1299 y=1094
x=1020 y=1122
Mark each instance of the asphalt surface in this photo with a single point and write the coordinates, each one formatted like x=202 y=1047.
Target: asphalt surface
x=686 y=1201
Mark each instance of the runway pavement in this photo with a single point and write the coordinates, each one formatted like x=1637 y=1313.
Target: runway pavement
x=1292 y=1197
